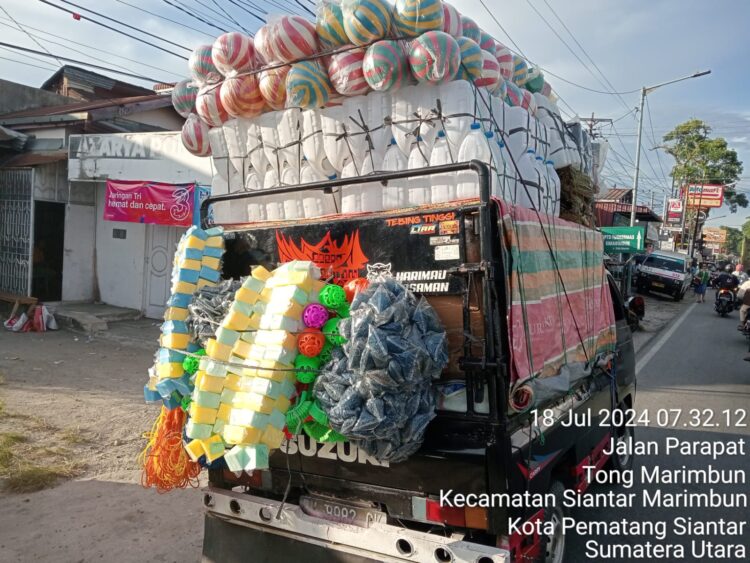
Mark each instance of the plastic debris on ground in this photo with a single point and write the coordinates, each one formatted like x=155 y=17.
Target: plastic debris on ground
x=377 y=390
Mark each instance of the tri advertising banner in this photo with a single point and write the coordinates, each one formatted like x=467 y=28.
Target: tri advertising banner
x=149 y=202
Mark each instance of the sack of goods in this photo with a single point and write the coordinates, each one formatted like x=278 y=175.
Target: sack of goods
x=372 y=87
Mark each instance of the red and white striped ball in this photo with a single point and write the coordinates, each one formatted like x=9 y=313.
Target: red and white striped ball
x=452 y=21
x=183 y=97
x=201 y=66
x=346 y=72
x=528 y=102
x=241 y=97
x=195 y=136
x=505 y=60
x=487 y=42
x=209 y=107
x=294 y=38
x=233 y=53
x=263 y=43
x=490 y=78
x=273 y=86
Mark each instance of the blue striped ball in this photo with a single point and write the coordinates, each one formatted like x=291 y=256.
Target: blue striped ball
x=414 y=17
x=366 y=21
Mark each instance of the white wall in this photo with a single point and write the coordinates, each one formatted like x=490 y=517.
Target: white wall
x=166 y=118
x=119 y=262
x=78 y=256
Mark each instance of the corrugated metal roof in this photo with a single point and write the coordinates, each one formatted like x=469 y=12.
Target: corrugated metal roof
x=615 y=195
x=86 y=106
x=88 y=77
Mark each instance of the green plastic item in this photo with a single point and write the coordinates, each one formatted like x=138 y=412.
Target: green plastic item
x=331 y=330
x=343 y=311
x=307 y=368
x=317 y=413
x=332 y=296
x=190 y=363
x=325 y=353
x=322 y=433
x=185 y=403
x=297 y=414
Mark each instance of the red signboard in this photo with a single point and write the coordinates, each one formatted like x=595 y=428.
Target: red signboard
x=705 y=196
x=149 y=202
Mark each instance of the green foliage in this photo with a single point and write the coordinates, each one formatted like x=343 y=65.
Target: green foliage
x=734 y=240
x=702 y=158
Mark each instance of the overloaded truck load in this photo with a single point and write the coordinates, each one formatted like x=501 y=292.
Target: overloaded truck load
x=382 y=294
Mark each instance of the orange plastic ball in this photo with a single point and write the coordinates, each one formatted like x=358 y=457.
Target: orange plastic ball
x=310 y=342
x=354 y=286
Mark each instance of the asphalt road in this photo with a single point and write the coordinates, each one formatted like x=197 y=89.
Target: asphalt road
x=695 y=363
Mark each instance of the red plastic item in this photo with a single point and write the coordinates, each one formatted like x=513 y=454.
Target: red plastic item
x=354 y=286
x=310 y=342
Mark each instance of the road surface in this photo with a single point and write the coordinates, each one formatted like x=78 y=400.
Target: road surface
x=696 y=363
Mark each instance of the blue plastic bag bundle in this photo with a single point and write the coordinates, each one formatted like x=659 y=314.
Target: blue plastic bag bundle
x=377 y=389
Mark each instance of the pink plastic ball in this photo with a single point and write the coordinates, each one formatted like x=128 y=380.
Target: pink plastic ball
x=314 y=315
x=195 y=136
x=346 y=73
x=209 y=107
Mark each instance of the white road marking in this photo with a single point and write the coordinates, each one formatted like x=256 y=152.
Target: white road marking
x=664 y=337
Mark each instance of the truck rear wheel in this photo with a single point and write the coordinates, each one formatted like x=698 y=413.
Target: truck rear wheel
x=624 y=436
x=553 y=544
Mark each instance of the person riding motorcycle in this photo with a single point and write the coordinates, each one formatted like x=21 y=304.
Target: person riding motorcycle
x=726 y=280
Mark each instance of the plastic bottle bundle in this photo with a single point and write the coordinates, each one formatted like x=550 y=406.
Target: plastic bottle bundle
x=293 y=206
x=312 y=143
x=443 y=185
x=474 y=146
x=543 y=182
x=418 y=187
x=412 y=115
x=458 y=109
x=378 y=106
x=553 y=183
x=274 y=203
x=269 y=132
x=355 y=122
x=366 y=196
x=332 y=123
x=316 y=203
x=394 y=194
x=219 y=152
x=506 y=174
x=290 y=132
x=256 y=208
x=527 y=187
x=518 y=129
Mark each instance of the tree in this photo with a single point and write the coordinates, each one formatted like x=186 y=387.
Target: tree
x=700 y=158
x=734 y=240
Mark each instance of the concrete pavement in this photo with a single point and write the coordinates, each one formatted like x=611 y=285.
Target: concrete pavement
x=690 y=374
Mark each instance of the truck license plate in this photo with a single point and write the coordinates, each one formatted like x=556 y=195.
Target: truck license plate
x=336 y=511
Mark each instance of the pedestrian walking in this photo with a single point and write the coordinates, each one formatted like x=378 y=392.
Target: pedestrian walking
x=700 y=289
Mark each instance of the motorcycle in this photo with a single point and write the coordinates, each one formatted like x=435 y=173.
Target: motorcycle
x=725 y=302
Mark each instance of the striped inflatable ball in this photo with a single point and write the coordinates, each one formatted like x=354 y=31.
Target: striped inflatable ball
x=385 y=65
x=195 y=136
x=294 y=38
x=546 y=90
x=240 y=96
x=452 y=21
x=183 y=97
x=209 y=108
x=487 y=42
x=330 y=25
x=307 y=85
x=346 y=73
x=534 y=80
x=505 y=60
x=263 y=42
x=514 y=94
x=366 y=21
x=414 y=17
x=470 y=29
x=471 y=60
x=434 y=57
x=272 y=84
x=502 y=89
x=528 y=102
x=202 y=67
x=520 y=70
x=490 y=73
x=233 y=53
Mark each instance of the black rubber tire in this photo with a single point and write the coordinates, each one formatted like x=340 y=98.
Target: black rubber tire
x=621 y=462
x=552 y=513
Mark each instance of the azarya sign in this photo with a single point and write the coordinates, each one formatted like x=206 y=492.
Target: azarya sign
x=623 y=239
x=149 y=202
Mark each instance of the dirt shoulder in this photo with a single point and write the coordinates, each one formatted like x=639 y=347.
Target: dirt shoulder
x=71 y=402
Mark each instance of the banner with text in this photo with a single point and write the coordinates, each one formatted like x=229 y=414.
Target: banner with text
x=705 y=196
x=149 y=202
x=675 y=212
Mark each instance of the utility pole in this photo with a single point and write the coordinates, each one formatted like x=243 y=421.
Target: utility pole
x=691 y=248
x=592 y=122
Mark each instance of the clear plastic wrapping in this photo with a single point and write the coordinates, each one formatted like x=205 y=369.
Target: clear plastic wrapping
x=209 y=306
x=377 y=390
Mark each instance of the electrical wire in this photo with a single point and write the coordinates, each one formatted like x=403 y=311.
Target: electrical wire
x=47 y=68
x=189 y=13
x=18 y=25
x=245 y=9
x=228 y=15
x=126 y=25
x=86 y=18
x=163 y=17
x=89 y=47
x=84 y=63
x=212 y=13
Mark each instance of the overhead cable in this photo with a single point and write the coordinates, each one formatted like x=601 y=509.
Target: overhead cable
x=144 y=10
x=189 y=13
x=18 y=25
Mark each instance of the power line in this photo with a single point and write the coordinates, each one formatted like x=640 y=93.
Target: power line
x=245 y=9
x=189 y=13
x=234 y=21
x=90 y=47
x=211 y=14
x=163 y=17
x=24 y=63
x=86 y=18
x=84 y=63
x=127 y=25
x=26 y=32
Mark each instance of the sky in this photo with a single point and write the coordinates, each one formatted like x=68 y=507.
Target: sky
x=632 y=44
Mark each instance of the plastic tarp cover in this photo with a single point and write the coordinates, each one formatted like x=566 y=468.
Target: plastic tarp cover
x=377 y=390
x=560 y=306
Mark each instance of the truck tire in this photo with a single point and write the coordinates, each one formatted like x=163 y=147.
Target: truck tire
x=553 y=546
x=626 y=433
